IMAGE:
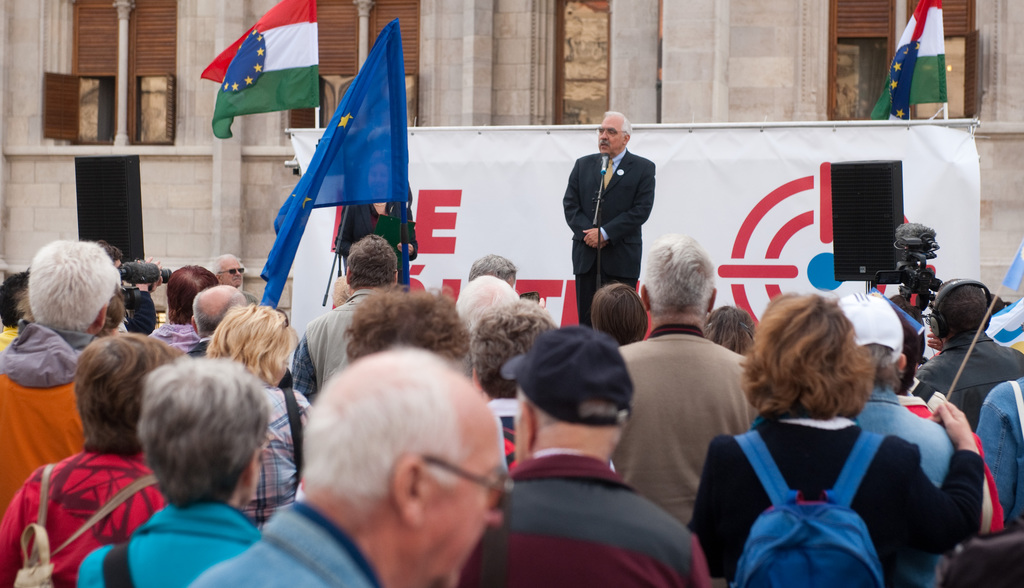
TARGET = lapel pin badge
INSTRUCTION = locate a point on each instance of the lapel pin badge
(619, 173)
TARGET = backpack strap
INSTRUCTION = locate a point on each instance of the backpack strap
(1020, 404)
(44, 494)
(856, 466)
(295, 424)
(764, 466)
(116, 571)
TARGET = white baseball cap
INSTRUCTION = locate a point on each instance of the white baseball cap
(874, 321)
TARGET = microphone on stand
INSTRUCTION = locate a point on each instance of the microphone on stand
(604, 164)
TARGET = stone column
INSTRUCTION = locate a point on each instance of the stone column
(633, 79)
(226, 192)
(478, 61)
(124, 8)
(364, 7)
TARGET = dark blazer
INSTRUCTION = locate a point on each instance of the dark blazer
(627, 204)
(357, 223)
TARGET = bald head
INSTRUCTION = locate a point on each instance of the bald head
(407, 488)
(211, 305)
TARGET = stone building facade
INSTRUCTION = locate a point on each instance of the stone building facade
(477, 62)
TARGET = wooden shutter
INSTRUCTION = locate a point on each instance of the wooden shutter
(408, 14)
(864, 18)
(60, 106)
(154, 37)
(972, 75)
(302, 118)
(153, 43)
(338, 35)
(95, 38)
(172, 107)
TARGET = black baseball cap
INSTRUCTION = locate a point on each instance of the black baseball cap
(567, 369)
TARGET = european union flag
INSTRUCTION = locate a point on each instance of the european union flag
(1016, 271)
(362, 158)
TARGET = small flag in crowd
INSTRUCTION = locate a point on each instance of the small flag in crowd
(273, 66)
(1006, 328)
(917, 74)
(363, 156)
(1015, 273)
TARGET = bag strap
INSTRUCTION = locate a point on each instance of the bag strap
(116, 572)
(114, 502)
(39, 556)
(1020, 404)
(764, 466)
(856, 466)
(44, 494)
(295, 424)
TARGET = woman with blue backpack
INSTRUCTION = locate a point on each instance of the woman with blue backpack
(808, 499)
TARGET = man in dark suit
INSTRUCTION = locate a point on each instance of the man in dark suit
(626, 203)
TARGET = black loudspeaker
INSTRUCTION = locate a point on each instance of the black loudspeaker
(110, 202)
(867, 206)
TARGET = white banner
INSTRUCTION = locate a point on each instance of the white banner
(752, 196)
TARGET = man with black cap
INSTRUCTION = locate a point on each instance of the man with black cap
(570, 519)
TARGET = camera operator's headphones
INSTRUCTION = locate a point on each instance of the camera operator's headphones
(936, 322)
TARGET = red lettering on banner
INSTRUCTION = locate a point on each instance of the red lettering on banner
(414, 270)
(546, 288)
(569, 315)
(429, 220)
(451, 288)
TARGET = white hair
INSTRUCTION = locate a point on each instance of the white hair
(627, 127)
(680, 276)
(380, 408)
(69, 284)
(218, 263)
(481, 294)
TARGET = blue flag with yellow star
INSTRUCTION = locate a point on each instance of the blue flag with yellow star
(362, 157)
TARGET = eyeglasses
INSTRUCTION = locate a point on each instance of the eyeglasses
(497, 487)
(610, 130)
(233, 271)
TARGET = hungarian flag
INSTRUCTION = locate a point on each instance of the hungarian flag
(272, 67)
(917, 73)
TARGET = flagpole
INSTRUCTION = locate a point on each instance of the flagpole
(405, 244)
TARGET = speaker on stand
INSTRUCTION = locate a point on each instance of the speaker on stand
(110, 202)
(867, 206)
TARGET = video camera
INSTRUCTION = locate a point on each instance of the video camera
(918, 244)
(139, 272)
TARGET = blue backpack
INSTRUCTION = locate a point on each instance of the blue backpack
(802, 543)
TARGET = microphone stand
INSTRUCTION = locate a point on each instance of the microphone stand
(597, 222)
(337, 261)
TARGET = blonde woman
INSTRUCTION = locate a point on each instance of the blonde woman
(261, 339)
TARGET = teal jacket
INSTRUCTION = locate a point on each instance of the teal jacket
(176, 545)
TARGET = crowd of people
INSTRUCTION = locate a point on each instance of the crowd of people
(408, 439)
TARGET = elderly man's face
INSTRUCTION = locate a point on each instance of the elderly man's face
(231, 273)
(611, 140)
(462, 511)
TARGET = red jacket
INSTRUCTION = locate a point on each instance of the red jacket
(79, 486)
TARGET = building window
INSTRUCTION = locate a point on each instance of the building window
(339, 52)
(581, 88)
(863, 37)
(81, 107)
